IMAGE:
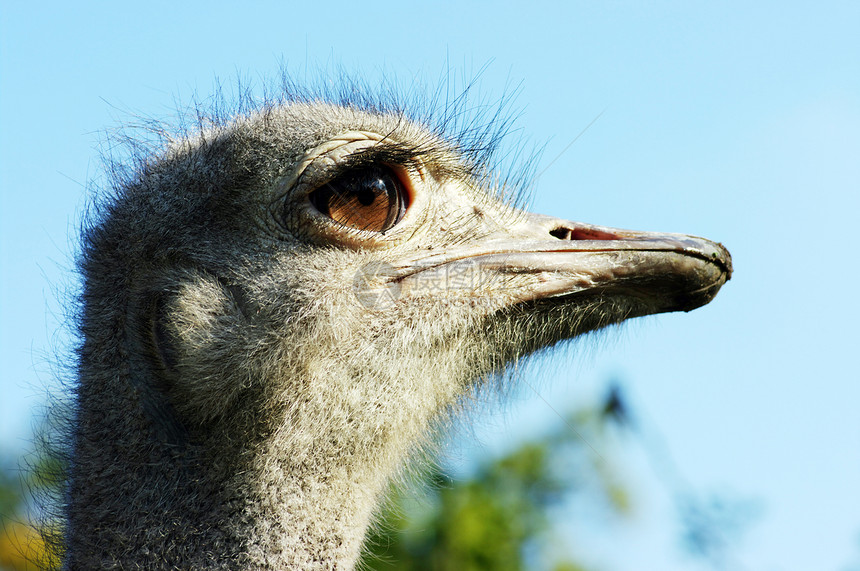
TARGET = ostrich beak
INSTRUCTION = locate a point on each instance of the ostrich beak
(542, 258)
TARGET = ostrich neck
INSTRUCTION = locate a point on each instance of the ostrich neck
(145, 495)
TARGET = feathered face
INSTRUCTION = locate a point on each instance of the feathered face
(327, 261)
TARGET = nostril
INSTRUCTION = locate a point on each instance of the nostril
(565, 233)
(561, 233)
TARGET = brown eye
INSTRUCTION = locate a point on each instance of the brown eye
(367, 198)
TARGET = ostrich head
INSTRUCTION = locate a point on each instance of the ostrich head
(277, 308)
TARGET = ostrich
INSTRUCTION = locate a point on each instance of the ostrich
(279, 308)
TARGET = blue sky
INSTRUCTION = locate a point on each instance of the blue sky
(736, 121)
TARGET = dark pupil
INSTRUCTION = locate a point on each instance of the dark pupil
(368, 192)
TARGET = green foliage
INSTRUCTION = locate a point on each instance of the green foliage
(29, 530)
(18, 538)
(11, 494)
(500, 517)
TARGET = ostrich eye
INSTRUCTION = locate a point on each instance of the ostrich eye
(367, 198)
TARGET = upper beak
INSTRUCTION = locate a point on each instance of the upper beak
(541, 257)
